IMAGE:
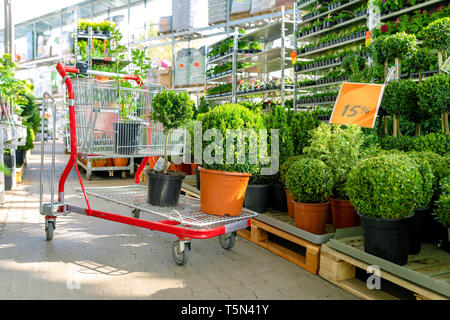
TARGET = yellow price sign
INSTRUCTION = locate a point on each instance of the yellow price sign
(357, 103)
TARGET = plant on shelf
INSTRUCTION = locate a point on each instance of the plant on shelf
(173, 110)
(310, 182)
(223, 183)
(385, 190)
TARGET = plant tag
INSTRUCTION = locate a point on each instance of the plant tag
(159, 165)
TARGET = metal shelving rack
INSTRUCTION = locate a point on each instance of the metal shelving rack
(314, 72)
(270, 59)
(88, 167)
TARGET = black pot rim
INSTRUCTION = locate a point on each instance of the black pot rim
(383, 219)
(161, 176)
(266, 185)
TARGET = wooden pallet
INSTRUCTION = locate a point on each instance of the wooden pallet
(260, 232)
(340, 269)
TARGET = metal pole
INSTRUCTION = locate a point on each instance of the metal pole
(234, 65)
(173, 62)
(294, 98)
(2, 175)
(283, 57)
(9, 29)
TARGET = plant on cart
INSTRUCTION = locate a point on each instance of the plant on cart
(310, 183)
(172, 110)
(385, 190)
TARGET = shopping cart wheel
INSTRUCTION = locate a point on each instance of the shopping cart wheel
(227, 240)
(179, 252)
(136, 213)
(124, 174)
(49, 230)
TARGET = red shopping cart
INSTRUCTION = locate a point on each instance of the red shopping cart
(110, 120)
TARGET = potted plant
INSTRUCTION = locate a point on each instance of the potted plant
(173, 110)
(422, 210)
(339, 148)
(442, 209)
(385, 190)
(223, 183)
(284, 168)
(310, 182)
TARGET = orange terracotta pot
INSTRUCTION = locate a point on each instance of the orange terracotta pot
(193, 167)
(120, 162)
(187, 168)
(109, 162)
(99, 163)
(176, 167)
(344, 214)
(222, 193)
(102, 78)
(290, 204)
(311, 217)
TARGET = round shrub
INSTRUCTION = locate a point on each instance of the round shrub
(385, 186)
(388, 47)
(400, 97)
(285, 166)
(434, 94)
(309, 181)
(233, 116)
(301, 123)
(428, 178)
(442, 210)
(437, 35)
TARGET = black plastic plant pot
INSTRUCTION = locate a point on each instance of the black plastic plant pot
(8, 182)
(257, 197)
(387, 238)
(164, 189)
(278, 197)
(197, 178)
(126, 137)
(416, 229)
(20, 157)
(8, 160)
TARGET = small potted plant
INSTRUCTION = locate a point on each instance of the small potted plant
(173, 111)
(385, 190)
(310, 182)
(442, 209)
(284, 168)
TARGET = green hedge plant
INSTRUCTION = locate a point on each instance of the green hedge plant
(173, 110)
(232, 116)
(309, 181)
(437, 35)
(339, 148)
(434, 94)
(386, 186)
(285, 166)
(301, 124)
(442, 210)
(428, 178)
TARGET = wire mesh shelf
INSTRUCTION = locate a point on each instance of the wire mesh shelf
(113, 120)
(187, 212)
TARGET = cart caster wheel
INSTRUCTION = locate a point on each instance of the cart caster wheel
(180, 257)
(227, 240)
(136, 213)
(49, 230)
(124, 175)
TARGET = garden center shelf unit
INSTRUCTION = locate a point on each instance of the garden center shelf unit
(327, 32)
(338, 26)
(243, 70)
(90, 162)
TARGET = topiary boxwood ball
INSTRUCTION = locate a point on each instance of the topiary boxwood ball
(309, 181)
(386, 186)
(428, 178)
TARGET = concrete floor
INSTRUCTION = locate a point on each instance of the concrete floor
(90, 258)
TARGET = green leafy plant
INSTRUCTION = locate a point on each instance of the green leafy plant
(173, 110)
(442, 210)
(309, 181)
(285, 166)
(434, 95)
(301, 123)
(428, 178)
(437, 35)
(234, 116)
(277, 119)
(339, 148)
(386, 186)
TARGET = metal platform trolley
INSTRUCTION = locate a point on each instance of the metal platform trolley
(115, 123)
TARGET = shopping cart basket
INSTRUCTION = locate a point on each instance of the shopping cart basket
(107, 119)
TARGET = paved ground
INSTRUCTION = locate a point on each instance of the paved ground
(91, 258)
